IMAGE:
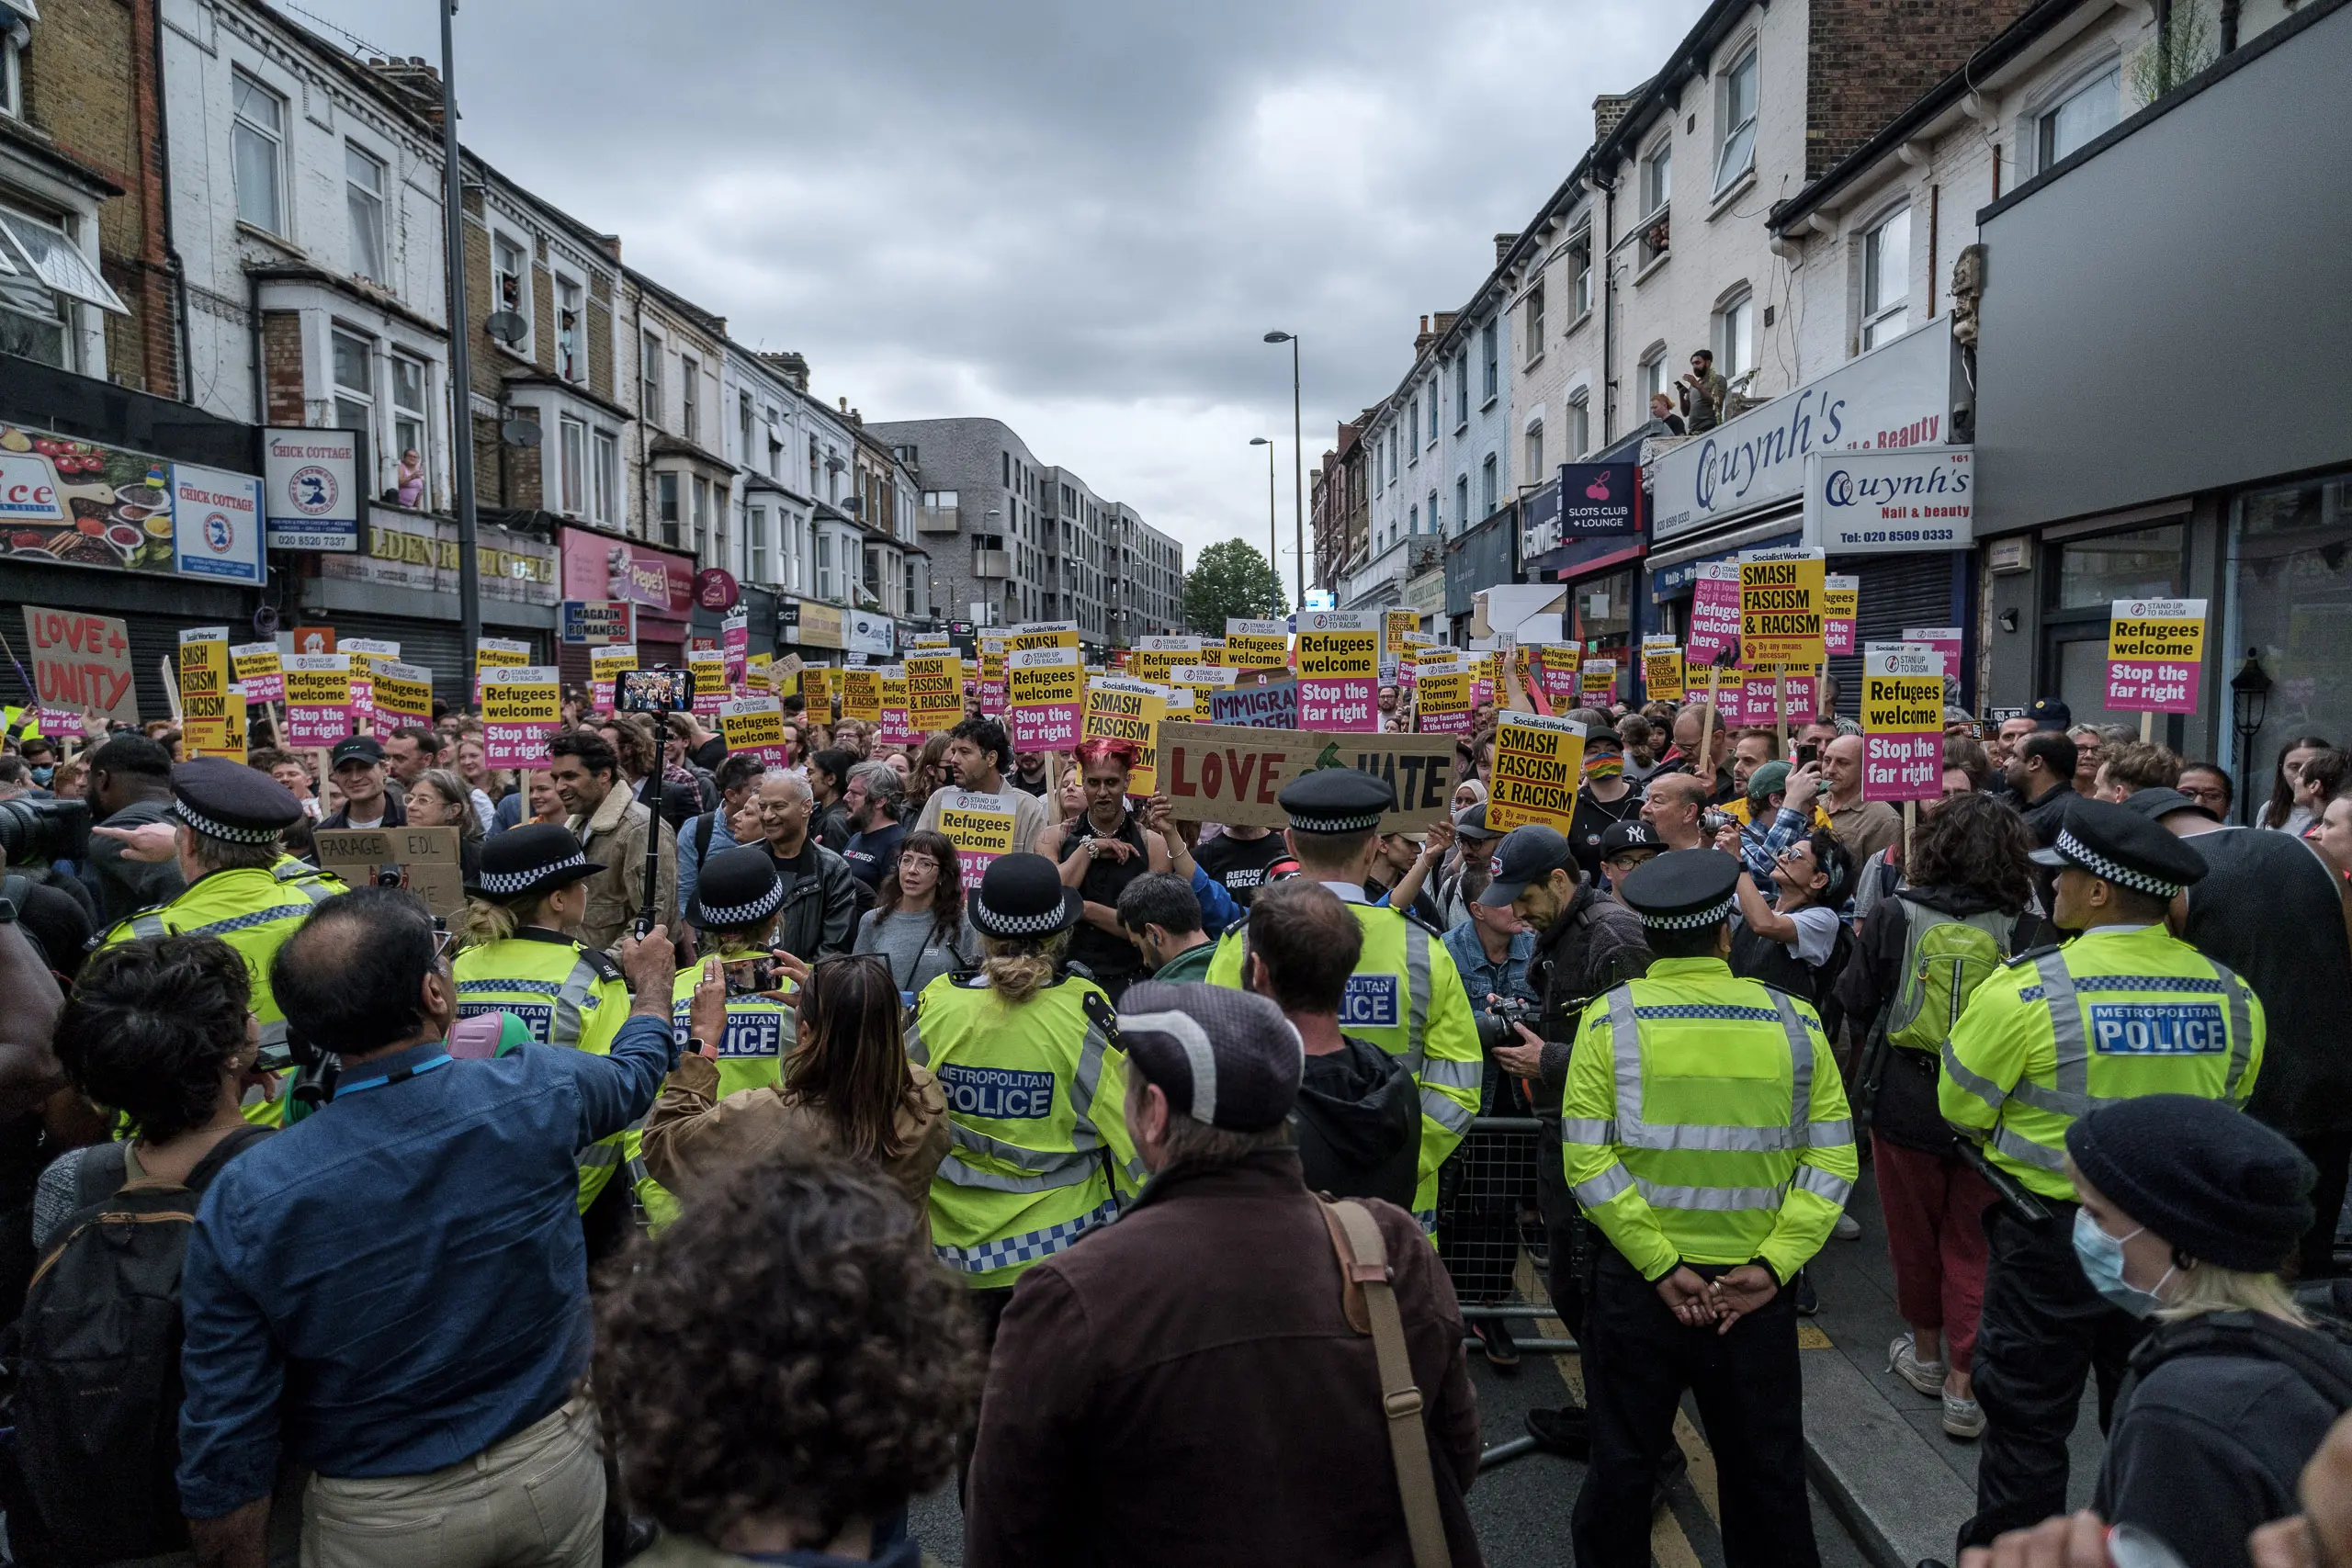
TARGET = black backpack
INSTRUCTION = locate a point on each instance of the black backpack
(2319, 1355)
(97, 1401)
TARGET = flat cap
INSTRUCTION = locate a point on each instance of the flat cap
(2118, 844)
(1683, 890)
(530, 861)
(1337, 800)
(1528, 854)
(232, 802)
(737, 888)
(1226, 1057)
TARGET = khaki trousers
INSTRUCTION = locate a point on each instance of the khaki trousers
(536, 1500)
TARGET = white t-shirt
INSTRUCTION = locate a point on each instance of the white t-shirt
(1816, 933)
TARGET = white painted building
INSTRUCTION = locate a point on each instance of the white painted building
(306, 207)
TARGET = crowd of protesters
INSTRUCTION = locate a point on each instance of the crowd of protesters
(717, 1216)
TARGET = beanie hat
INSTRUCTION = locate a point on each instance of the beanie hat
(1226, 1057)
(2213, 1181)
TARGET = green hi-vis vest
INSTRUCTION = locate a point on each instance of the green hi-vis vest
(760, 1029)
(1036, 1110)
(1405, 997)
(566, 995)
(2116, 1013)
(1704, 1121)
(254, 911)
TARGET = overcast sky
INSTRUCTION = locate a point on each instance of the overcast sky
(1080, 218)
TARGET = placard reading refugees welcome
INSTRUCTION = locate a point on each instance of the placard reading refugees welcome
(2156, 654)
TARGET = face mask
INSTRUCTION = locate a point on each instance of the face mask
(42, 775)
(2102, 1256)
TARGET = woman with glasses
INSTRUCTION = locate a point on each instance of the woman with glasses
(917, 925)
(845, 1089)
(516, 956)
(1792, 943)
(439, 797)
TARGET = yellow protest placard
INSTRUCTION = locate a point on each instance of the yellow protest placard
(403, 694)
(819, 684)
(257, 670)
(979, 826)
(1212, 652)
(232, 735)
(1399, 625)
(1662, 679)
(1154, 657)
(1441, 696)
(1121, 709)
(1041, 634)
(1257, 645)
(1539, 762)
(204, 681)
(1781, 607)
(862, 694)
(934, 691)
(753, 726)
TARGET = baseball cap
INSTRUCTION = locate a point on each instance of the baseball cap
(1527, 854)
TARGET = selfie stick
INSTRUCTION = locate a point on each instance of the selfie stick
(650, 793)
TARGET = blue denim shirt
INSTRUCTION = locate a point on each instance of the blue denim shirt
(399, 1280)
(1479, 977)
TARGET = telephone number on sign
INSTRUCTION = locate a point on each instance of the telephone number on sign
(1896, 535)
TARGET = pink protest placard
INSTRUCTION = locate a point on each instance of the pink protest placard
(259, 671)
(1903, 713)
(2155, 655)
(61, 724)
(1714, 611)
(1945, 640)
(1342, 706)
(1559, 668)
(735, 648)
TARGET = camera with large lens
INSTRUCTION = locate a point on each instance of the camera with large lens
(33, 831)
(1495, 1023)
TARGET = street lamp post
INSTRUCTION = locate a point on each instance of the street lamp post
(1274, 555)
(1298, 461)
(453, 232)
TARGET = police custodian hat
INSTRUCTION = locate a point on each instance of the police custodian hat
(232, 802)
(1337, 800)
(1683, 890)
(2118, 844)
(737, 888)
(530, 861)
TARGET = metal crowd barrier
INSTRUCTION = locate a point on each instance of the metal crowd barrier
(1490, 1229)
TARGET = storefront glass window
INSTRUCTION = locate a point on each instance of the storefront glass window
(1600, 611)
(2294, 606)
(2143, 563)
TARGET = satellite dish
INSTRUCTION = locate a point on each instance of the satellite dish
(523, 433)
(507, 326)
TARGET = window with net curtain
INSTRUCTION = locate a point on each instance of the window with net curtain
(1886, 279)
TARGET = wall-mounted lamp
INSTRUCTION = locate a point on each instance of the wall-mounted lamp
(2008, 620)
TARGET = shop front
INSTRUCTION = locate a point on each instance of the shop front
(659, 584)
(118, 504)
(1483, 557)
(816, 631)
(2209, 460)
(1742, 487)
(1592, 541)
(402, 587)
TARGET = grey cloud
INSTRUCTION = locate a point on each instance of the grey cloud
(1078, 217)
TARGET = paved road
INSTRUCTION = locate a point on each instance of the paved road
(1521, 1505)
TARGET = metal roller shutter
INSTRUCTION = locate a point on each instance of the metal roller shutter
(439, 645)
(1897, 592)
(154, 638)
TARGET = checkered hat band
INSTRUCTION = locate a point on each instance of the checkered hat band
(1335, 824)
(1721, 911)
(995, 924)
(2099, 865)
(519, 881)
(222, 830)
(759, 908)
